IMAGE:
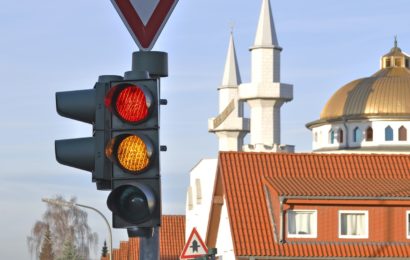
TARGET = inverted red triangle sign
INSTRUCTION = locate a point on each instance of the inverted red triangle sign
(144, 19)
(194, 246)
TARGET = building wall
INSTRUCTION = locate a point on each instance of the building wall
(199, 195)
(386, 223)
(224, 242)
(321, 135)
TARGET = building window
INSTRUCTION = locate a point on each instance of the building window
(407, 63)
(340, 136)
(315, 137)
(402, 133)
(397, 62)
(369, 134)
(332, 136)
(388, 133)
(353, 224)
(357, 135)
(302, 223)
(408, 224)
(388, 63)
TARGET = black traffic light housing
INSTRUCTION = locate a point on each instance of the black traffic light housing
(87, 153)
(113, 153)
(135, 200)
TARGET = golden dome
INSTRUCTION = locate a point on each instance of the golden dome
(386, 93)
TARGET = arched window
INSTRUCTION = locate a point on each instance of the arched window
(316, 137)
(402, 133)
(369, 134)
(340, 136)
(388, 133)
(332, 136)
(357, 135)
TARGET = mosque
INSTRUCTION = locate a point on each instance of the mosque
(263, 201)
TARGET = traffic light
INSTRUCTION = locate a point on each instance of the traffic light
(123, 152)
(133, 149)
(87, 153)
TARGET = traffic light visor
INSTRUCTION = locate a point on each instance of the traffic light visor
(132, 152)
(131, 103)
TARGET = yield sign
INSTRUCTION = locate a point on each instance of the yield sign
(144, 19)
(194, 247)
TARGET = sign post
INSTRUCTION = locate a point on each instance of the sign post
(145, 20)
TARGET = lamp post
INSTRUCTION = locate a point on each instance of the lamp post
(72, 204)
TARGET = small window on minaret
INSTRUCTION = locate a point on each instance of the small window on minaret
(397, 62)
(388, 63)
(407, 63)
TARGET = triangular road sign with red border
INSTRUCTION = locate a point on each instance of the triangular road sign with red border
(194, 247)
(144, 19)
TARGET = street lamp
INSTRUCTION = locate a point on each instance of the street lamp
(72, 204)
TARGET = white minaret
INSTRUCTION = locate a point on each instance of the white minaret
(265, 94)
(229, 125)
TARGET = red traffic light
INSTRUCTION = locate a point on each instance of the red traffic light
(131, 103)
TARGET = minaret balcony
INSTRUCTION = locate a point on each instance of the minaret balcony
(266, 90)
(230, 124)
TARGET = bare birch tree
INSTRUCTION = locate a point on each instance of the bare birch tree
(65, 223)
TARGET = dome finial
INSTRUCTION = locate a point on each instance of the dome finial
(395, 41)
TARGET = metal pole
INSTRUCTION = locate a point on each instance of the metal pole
(70, 204)
(149, 246)
(106, 222)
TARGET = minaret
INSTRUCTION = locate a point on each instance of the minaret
(265, 94)
(229, 125)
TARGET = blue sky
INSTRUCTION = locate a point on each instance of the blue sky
(51, 46)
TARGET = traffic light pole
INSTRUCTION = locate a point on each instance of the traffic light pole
(147, 64)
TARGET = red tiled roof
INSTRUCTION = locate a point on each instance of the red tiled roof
(343, 187)
(356, 249)
(243, 176)
(172, 237)
(172, 241)
(123, 250)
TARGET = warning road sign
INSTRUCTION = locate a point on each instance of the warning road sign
(194, 247)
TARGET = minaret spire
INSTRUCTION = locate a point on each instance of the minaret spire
(395, 41)
(266, 34)
(231, 77)
(229, 125)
